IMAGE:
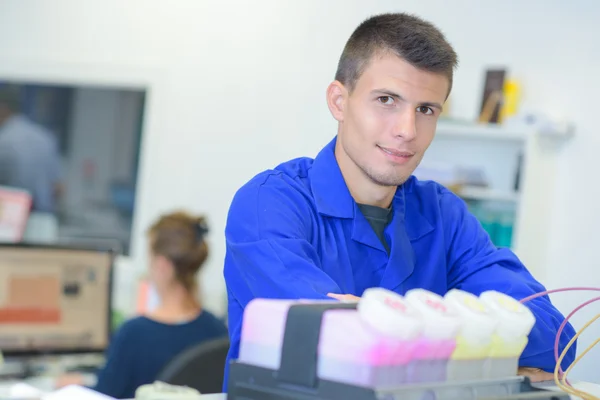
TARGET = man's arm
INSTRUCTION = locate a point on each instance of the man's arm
(476, 265)
(269, 253)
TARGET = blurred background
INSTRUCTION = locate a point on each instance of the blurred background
(156, 105)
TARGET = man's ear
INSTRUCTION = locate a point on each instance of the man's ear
(337, 96)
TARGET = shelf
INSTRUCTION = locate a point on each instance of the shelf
(479, 132)
(476, 193)
(462, 130)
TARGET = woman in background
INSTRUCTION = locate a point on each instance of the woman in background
(143, 346)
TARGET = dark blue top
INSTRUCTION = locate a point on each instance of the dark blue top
(296, 232)
(142, 347)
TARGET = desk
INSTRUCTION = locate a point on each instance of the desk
(591, 388)
(44, 384)
(219, 396)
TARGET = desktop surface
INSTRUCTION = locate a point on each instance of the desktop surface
(591, 388)
(54, 300)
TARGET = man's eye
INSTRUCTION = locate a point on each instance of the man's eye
(387, 100)
(425, 110)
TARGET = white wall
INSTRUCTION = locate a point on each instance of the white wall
(239, 86)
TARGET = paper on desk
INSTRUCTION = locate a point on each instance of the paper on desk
(75, 392)
(24, 391)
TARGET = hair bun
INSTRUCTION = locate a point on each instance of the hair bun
(201, 229)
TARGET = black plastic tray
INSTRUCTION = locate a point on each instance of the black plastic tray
(297, 379)
(248, 382)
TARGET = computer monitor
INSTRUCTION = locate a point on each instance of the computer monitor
(54, 300)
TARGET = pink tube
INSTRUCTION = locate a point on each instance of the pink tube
(540, 294)
(566, 320)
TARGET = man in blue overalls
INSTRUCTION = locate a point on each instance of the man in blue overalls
(355, 217)
(29, 155)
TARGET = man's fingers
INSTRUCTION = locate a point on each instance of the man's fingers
(344, 297)
(536, 374)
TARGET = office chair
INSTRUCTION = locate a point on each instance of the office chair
(200, 367)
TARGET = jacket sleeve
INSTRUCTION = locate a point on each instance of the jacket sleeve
(476, 265)
(268, 249)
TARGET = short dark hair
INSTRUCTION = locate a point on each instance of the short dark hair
(409, 37)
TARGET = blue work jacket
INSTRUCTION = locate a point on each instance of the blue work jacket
(296, 232)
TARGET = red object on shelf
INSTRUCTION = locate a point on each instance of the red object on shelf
(15, 206)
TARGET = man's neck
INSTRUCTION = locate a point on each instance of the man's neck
(372, 195)
(362, 189)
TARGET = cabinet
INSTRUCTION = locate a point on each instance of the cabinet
(517, 165)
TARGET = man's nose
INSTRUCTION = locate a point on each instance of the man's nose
(406, 124)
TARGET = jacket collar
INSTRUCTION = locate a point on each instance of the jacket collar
(332, 197)
(330, 192)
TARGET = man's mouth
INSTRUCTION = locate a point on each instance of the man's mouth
(397, 153)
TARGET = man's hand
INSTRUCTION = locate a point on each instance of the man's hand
(346, 298)
(535, 374)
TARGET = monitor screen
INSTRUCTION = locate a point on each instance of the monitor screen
(54, 300)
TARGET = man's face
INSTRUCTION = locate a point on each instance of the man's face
(389, 120)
